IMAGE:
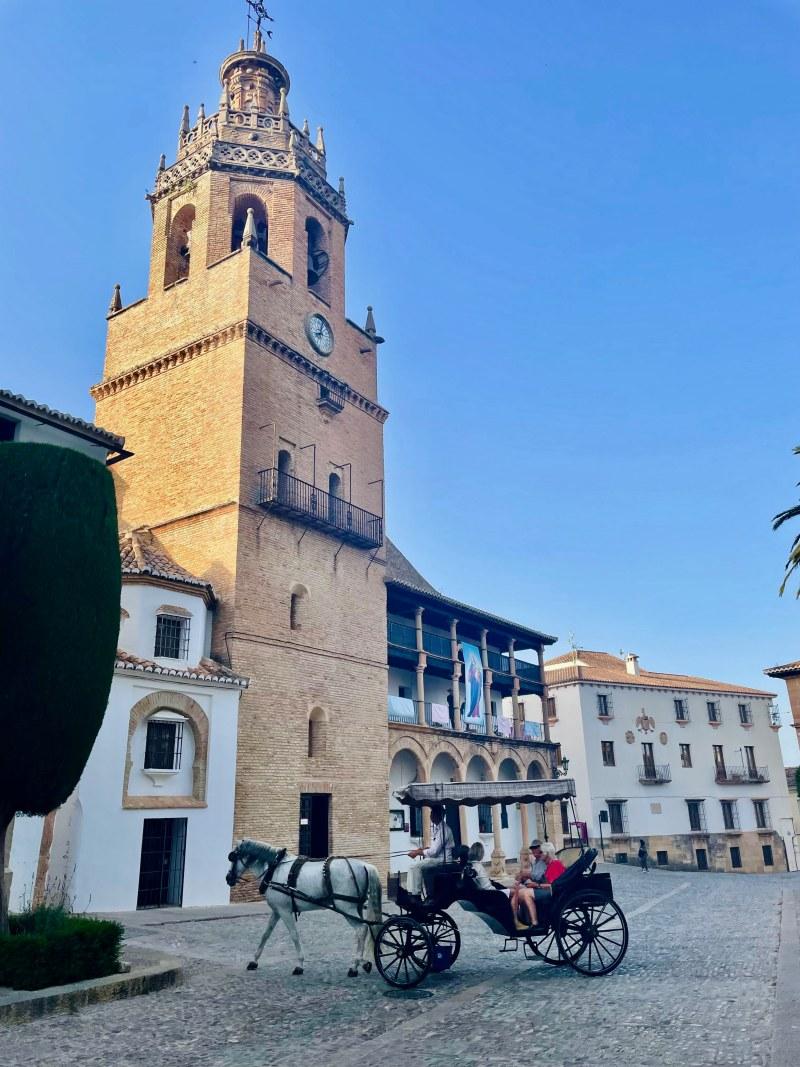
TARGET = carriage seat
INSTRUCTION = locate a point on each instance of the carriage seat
(575, 870)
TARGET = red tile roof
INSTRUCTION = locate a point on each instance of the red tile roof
(142, 556)
(585, 666)
(207, 670)
(784, 671)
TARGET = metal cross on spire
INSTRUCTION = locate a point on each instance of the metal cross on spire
(257, 12)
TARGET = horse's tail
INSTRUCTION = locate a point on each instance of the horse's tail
(374, 901)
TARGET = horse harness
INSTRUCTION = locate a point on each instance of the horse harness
(330, 898)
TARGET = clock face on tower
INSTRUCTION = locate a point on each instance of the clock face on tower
(320, 334)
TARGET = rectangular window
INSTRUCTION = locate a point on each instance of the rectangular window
(564, 817)
(686, 755)
(730, 814)
(702, 859)
(484, 818)
(750, 760)
(551, 707)
(621, 857)
(503, 817)
(745, 715)
(736, 857)
(713, 711)
(8, 429)
(662, 858)
(719, 763)
(681, 711)
(415, 822)
(404, 691)
(617, 816)
(603, 705)
(164, 745)
(172, 637)
(766, 852)
(649, 763)
(761, 810)
(697, 815)
(608, 753)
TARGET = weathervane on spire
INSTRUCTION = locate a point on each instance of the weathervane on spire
(257, 13)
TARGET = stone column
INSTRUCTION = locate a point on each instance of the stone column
(456, 674)
(422, 660)
(545, 716)
(487, 684)
(524, 852)
(518, 729)
(498, 868)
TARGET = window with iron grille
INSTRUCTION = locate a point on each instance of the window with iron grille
(697, 814)
(761, 810)
(172, 637)
(681, 710)
(551, 707)
(564, 817)
(736, 856)
(604, 706)
(415, 822)
(730, 814)
(686, 755)
(618, 816)
(608, 753)
(766, 852)
(745, 715)
(484, 818)
(164, 745)
(662, 858)
(712, 706)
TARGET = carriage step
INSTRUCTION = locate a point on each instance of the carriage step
(511, 945)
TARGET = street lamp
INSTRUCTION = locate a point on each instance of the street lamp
(564, 767)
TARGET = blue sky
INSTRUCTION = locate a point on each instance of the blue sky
(579, 225)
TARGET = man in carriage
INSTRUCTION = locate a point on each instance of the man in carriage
(439, 852)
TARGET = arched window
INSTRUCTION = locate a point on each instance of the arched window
(317, 733)
(297, 607)
(318, 259)
(179, 246)
(248, 200)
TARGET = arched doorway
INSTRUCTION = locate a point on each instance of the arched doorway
(405, 823)
(445, 769)
(479, 819)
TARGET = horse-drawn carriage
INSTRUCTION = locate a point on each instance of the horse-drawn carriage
(580, 923)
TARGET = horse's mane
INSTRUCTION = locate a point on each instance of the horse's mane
(256, 850)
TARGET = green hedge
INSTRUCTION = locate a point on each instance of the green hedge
(48, 947)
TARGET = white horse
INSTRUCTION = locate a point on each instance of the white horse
(352, 886)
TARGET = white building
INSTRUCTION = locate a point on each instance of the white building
(693, 766)
(151, 820)
(24, 421)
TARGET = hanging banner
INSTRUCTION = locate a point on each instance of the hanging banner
(474, 713)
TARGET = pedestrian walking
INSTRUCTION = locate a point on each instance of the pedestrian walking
(643, 857)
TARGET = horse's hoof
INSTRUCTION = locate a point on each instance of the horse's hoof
(366, 967)
(297, 970)
(252, 966)
(353, 972)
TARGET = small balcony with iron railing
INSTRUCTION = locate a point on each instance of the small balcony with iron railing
(741, 775)
(303, 502)
(654, 773)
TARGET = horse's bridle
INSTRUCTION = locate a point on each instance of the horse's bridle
(232, 858)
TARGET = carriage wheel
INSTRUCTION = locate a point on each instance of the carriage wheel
(546, 949)
(444, 932)
(592, 934)
(403, 952)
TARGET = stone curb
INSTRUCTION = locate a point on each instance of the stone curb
(26, 1006)
(786, 1030)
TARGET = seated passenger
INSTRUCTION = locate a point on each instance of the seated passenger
(438, 852)
(475, 866)
(541, 890)
(529, 873)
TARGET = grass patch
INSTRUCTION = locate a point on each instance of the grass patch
(49, 947)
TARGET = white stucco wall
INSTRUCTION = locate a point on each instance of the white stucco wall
(580, 733)
(138, 631)
(29, 429)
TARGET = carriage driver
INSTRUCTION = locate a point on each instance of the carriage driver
(440, 851)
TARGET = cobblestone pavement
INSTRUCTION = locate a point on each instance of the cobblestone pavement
(697, 987)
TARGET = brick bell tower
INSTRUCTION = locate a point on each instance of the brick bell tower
(249, 400)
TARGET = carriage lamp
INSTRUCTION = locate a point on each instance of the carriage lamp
(564, 765)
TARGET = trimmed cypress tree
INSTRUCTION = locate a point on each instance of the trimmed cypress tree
(59, 622)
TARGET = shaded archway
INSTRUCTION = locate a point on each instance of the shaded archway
(179, 246)
(239, 218)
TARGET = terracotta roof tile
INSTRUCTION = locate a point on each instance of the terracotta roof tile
(585, 666)
(141, 555)
(19, 403)
(784, 670)
(207, 670)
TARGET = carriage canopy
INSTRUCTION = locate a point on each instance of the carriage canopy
(534, 791)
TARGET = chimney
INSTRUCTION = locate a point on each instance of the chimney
(632, 663)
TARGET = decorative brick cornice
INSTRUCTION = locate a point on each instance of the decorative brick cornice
(237, 330)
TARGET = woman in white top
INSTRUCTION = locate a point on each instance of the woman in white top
(474, 858)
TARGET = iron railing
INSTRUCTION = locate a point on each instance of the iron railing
(697, 816)
(741, 775)
(654, 774)
(331, 396)
(289, 496)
